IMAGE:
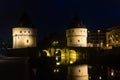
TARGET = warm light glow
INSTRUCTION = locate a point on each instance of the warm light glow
(56, 58)
(57, 63)
(98, 31)
(71, 62)
(72, 56)
(56, 70)
(47, 52)
(112, 73)
(100, 77)
(55, 43)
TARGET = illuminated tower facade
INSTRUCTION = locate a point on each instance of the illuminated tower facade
(24, 33)
(76, 34)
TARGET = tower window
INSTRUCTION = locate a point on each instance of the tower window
(79, 70)
(78, 40)
(20, 31)
(27, 41)
(28, 31)
(69, 31)
(24, 31)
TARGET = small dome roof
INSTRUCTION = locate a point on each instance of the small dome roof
(25, 22)
(76, 23)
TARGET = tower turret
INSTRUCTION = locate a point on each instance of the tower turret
(24, 33)
(76, 34)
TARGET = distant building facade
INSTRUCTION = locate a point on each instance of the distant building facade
(96, 38)
(113, 36)
(24, 33)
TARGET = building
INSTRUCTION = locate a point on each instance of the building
(24, 33)
(96, 38)
(76, 34)
(113, 36)
(76, 38)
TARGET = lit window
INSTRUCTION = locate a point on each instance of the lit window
(56, 70)
(98, 31)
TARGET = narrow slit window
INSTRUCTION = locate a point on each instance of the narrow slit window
(27, 41)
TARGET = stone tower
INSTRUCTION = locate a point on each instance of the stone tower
(24, 33)
(76, 34)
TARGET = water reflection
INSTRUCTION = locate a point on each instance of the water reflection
(93, 72)
(76, 71)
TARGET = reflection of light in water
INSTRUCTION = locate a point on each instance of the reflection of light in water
(100, 77)
(57, 58)
(56, 70)
(112, 73)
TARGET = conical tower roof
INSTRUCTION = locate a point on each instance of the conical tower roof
(76, 23)
(25, 22)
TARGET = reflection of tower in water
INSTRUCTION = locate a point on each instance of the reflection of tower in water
(78, 72)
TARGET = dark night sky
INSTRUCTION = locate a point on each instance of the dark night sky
(54, 15)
